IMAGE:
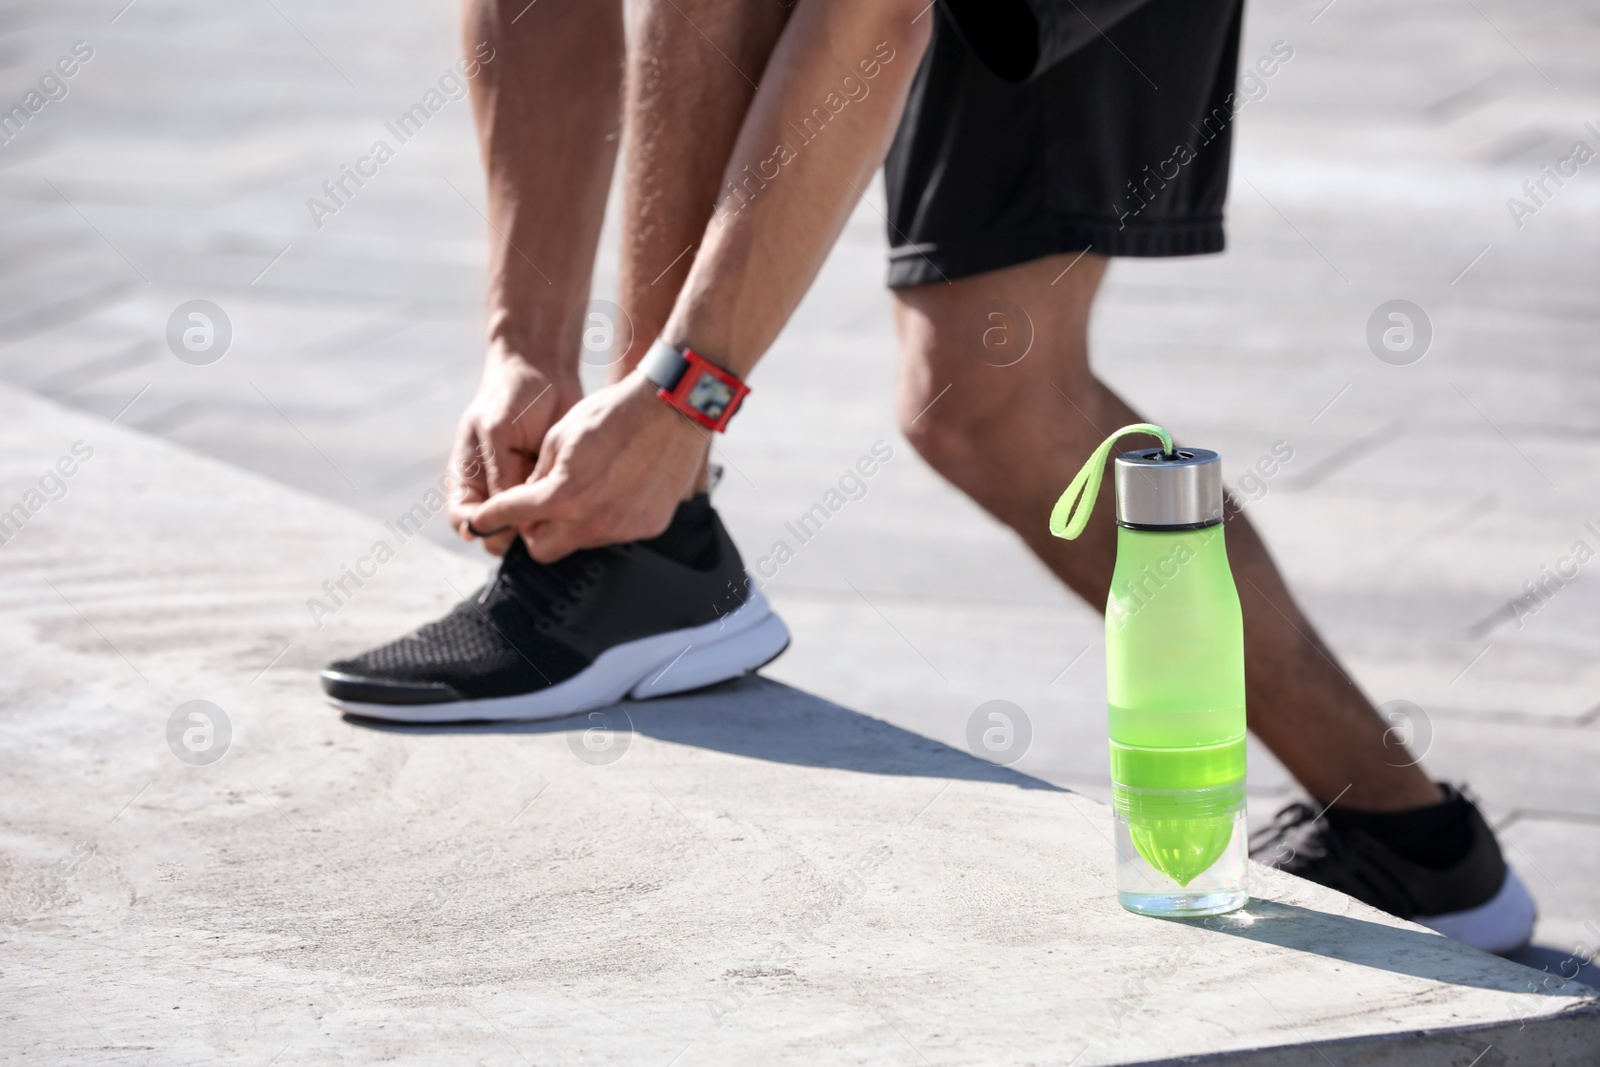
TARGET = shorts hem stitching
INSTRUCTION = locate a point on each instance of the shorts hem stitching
(911, 264)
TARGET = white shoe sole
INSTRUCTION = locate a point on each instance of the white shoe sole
(655, 666)
(1502, 925)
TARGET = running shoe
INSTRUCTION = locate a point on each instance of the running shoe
(538, 641)
(1476, 898)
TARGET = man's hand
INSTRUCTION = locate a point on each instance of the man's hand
(613, 469)
(500, 432)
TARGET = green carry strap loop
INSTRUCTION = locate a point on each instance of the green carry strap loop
(1071, 513)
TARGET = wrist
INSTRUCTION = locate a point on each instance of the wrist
(647, 395)
(505, 354)
(533, 333)
(701, 390)
(721, 355)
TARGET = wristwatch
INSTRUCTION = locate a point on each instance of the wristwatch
(694, 385)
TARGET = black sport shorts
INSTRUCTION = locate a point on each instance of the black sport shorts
(1040, 127)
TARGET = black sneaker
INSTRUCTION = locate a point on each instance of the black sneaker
(1476, 898)
(539, 641)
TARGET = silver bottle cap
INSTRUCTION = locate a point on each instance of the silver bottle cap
(1155, 491)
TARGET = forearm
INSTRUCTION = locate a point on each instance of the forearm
(548, 122)
(615, 466)
(693, 66)
(817, 128)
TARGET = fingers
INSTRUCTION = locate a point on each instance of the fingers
(465, 504)
(497, 545)
(571, 522)
(550, 541)
(520, 506)
(505, 466)
(539, 512)
(483, 469)
(461, 509)
(471, 488)
(462, 504)
(549, 449)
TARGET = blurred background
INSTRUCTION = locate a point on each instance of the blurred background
(1430, 481)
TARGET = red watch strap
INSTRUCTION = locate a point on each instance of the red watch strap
(705, 392)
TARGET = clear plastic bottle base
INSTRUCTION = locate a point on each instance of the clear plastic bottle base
(1199, 836)
(1182, 905)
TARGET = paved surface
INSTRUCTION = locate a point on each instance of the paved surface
(752, 874)
(1377, 166)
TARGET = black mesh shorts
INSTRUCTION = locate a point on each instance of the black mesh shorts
(1120, 148)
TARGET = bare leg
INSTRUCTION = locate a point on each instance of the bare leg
(1011, 437)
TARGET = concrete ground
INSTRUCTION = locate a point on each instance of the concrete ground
(1374, 165)
(747, 874)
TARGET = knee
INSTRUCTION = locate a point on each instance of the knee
(945, 446)
(943, 420)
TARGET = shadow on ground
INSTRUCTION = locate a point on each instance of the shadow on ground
(1367, 944)
(762, 719)
(1556, 963)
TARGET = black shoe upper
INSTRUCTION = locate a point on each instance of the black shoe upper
(535, 625)
(1351, 859)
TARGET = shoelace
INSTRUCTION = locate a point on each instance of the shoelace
(1299, 828)
(543, 589)
(1317, 851)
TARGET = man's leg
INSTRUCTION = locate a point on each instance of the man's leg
(1011, 437)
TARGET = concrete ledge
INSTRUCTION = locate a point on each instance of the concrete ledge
(758, 876)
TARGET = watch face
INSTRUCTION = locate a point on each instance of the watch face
(710, 396)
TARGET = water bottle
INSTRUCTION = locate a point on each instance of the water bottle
(1174, 679)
